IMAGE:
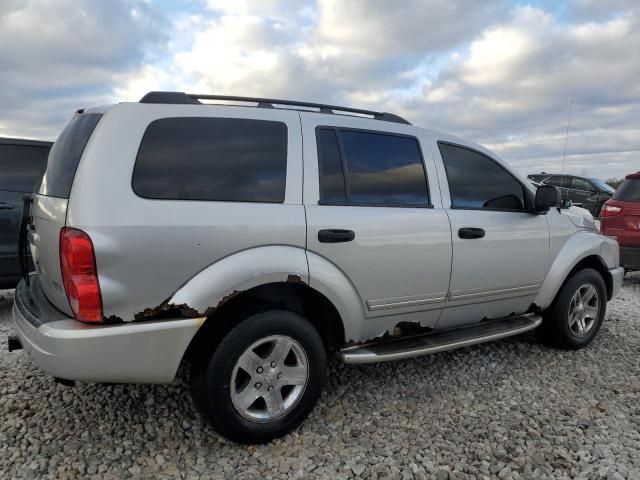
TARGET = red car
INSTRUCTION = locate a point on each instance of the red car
(620, 218)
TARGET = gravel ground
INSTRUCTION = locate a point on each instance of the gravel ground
(511, 409)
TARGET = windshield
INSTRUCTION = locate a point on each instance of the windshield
(603, 186)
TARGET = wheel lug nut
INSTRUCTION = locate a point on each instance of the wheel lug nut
(259, 369)
(258, 385)
(270, 388)
(273, 364)
(279, 375)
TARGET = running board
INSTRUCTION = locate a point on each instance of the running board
(415, 346)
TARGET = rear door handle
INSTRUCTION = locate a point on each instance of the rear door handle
(335, 235)
(6, 206)
(470, 233)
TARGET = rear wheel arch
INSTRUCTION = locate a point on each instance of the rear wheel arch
(293, 296)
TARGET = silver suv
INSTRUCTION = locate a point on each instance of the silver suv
(257, 240)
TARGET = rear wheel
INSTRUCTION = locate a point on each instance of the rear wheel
(576, 315)
(263, 379)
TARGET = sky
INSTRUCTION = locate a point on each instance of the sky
(498, 72)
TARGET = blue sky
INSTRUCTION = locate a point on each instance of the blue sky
(499, 72)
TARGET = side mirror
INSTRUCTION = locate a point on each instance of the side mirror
(547, 196)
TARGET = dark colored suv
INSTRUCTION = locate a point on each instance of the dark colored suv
(621, 219)
(22, 163)
(585, 192)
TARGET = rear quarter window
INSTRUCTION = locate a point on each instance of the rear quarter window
(65, 155)
(223, 159)
(21, 166)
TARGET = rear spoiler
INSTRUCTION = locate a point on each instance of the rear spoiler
(23, 256)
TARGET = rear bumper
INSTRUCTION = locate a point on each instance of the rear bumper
(630, 257)
(146, 352)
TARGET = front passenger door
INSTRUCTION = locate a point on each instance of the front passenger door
(500, 250)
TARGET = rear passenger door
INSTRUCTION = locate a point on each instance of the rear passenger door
(374, 212)
(500, 249)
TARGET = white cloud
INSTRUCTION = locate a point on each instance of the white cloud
(500, 75)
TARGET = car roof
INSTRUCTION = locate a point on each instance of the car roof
(25, 142)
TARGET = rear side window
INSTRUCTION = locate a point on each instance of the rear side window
(370, 168)
(65, 155)
(479, 182)
(21, 166)
(629, 191)
(224, 159)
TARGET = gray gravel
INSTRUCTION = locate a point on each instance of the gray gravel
(512, 409)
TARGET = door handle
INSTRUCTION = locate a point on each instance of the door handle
(6, 206)
(470, 233)
(335, 235)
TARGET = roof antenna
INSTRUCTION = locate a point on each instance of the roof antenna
(566, 139)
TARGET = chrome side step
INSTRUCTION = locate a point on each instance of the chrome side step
(415, 346)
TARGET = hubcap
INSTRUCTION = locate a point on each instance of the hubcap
(269, 378)
(584, 309)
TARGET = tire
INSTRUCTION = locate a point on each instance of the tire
(566, 324)
(276, 356)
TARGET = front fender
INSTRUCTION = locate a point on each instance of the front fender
(239, 272)
(579, 246)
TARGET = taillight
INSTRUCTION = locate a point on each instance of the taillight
(610, 210)
(79, 275)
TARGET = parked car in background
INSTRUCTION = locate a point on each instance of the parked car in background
(260, 240)
(22, 163)
(620, 218)
(587, 220)
(585, 192)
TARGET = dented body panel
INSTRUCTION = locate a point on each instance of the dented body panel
(239, 272)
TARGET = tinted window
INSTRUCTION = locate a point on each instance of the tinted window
(384, 169)
(559, 181)
(21, 166)
(332, 187)
(629, 191)
(226, 159)
(476, 181)
(581, 184)
(65, 155)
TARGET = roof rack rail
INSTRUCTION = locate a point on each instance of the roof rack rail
(189, 98)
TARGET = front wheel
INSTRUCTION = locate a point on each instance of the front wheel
(576, 315)
(263, 379)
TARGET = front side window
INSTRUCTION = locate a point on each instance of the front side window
(224, 159)
(478, 182)
(370, 168)
(21, 166)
